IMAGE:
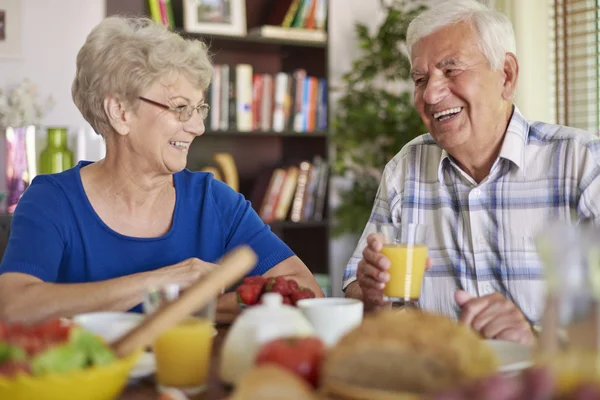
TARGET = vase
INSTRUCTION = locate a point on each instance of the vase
(56, 157)
(18, 175)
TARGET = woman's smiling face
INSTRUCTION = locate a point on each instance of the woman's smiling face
(157, 134)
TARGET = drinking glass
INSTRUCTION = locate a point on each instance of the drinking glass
(182, 352)
(405, 246)
(569, 340)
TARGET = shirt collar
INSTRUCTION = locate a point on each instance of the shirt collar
(513, 145)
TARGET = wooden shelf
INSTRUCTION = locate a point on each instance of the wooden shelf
(251, 39)
(317, 134)
(298, 225)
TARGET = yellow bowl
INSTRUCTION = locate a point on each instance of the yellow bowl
(96, 383)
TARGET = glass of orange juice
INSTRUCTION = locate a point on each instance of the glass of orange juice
(569, 341)
(404, 245)
(182, 352)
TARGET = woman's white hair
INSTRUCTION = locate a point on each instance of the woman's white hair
(495, 30)
(124, 56)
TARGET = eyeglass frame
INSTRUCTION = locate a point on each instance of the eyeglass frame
(181, 109)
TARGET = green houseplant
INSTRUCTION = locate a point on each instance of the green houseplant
(375, 116)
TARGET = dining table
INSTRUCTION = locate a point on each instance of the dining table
(146, 388)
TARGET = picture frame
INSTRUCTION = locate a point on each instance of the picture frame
(217, 17)
(10, 29)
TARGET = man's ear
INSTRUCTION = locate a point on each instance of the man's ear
(119, 115)
(511, 74)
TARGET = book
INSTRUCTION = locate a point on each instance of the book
(243, 89)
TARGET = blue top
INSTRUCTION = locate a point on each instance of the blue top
(57, 236)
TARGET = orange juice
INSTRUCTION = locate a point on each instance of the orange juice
(407, 267)
(572, 368)
(183, 354)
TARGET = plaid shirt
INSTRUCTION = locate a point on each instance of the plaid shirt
(481, 236)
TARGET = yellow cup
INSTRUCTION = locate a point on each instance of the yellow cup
(183, 352)
(404, 246)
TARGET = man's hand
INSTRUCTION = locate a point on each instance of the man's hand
(372, 272)
(494, 317)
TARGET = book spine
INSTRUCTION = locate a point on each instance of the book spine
(291, 13)
(266, 106)
(215, 101)
(281, 85)
(232, 99)
(257, 92)
(299, 78)
(243, 88)
(154, 9)
(164, 15)
(296, 213)
(224, 112)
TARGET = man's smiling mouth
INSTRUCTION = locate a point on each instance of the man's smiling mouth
(447, 114)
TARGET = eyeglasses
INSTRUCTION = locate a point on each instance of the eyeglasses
(185, 112)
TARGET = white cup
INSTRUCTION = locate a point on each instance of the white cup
(332, 317)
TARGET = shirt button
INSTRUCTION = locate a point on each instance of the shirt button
(477, 192)
(480, 239)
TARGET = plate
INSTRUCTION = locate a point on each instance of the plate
(145, 366)
(513, 356)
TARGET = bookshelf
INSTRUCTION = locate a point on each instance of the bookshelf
(257, 153)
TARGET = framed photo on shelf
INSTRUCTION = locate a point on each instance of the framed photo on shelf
(10, 29)
(220, 17)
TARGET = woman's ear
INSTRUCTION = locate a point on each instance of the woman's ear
(118, 114)
(511, 74)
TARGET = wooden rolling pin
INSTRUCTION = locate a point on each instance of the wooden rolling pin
(233, 266)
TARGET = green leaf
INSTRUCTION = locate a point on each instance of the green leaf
(9, 352)
(59, 359)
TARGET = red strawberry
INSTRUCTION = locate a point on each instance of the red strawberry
(293, 285)
(279, 285)
(287, 300)
(248, 293)
(304, 293)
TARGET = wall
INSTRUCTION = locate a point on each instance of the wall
(532, 35)
(52, 33)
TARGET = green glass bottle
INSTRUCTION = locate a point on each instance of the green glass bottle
(56, 157)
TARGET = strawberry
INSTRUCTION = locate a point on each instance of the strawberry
(248, 293)
(303, 293)
(287, 300)
(277, 285)
(293, 285)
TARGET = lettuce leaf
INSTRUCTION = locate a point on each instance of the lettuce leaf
(61, 358)
(10, 352)
(96, 351)
(84, 349)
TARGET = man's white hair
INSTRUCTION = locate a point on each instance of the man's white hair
(495, 30)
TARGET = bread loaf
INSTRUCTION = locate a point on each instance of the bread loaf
(403, 355)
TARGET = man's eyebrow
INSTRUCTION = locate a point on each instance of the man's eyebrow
(453, 62)
(415, 72)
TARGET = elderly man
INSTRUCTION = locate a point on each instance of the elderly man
(484, 179)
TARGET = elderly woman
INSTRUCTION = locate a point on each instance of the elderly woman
(98, 235)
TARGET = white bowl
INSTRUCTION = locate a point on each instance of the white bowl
(111, 325)
(332, 317)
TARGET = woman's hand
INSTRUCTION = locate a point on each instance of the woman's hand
(186, 272)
